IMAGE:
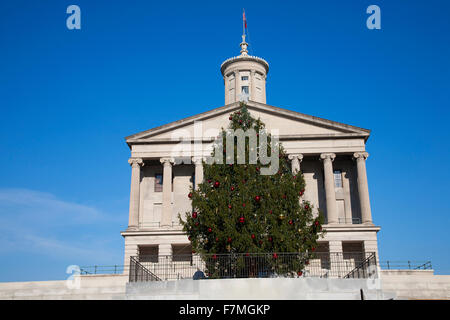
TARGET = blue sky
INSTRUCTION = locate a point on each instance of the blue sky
(69, 97)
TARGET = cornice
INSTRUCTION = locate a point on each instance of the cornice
(229, 61)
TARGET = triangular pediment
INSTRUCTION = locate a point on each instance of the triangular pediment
(290, 124)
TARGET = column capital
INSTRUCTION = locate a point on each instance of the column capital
(360, 155)
(197, 160)
(134, 162)
(166, 161)
(297, 156)
(330, 156)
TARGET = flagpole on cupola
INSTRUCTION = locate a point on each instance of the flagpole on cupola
(243, 22)
(244, 44)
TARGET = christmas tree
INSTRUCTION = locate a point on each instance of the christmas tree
(238, 210)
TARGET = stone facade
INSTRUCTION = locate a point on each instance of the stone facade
(332, 157)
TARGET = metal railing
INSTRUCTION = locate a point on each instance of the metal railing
(406, 265)
(139, 273)
(345, 220)
(349, 220)
(261, 265)
(157, 225)
(113, 269)
(366, 269)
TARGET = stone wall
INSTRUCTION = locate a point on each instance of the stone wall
(92, 287)
(416, 284)
(398, 284)
(255, 289)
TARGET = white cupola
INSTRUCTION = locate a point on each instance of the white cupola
(245, 77)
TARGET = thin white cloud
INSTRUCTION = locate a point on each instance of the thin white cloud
(31, 204)
(40, 223)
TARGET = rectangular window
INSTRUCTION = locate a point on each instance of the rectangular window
(158, 182)
(338, 178)
(148, 253)
(244, 78)
(245, 89)
(182, 252)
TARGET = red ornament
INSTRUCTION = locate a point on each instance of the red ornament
(243, 205)
(291, 222)
(300, 193)
(270, 239)
(240, 121)
(253, 236)
(306, 207)
(295, 177)
(196, 223)
(307, 262)
(313, 249)
(316, 223)
(241, 220)
(260, 242)
(257, 169)
(189, 238)
(257, 198)
(194, 214)
(209, 180)
(247, 254)
(193, 251)
(299, 273)
(270, 211)
(275, 256)
(209, 230)
(190, 195)
(230, 118)
(229, 206)
(216, 184)
(284, 196)
(238, 112)
(229, 239)
(217, 239)
(214, 257)
(232, 188)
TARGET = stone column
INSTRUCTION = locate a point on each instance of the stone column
(198, 161)
(264, 88)
(330, 194)
(363, 188)
(164, 258)
(252, 85)
(237, 90)
(336, 259)
(227, 94)
(166, 219)
(136, 163)
(296, 159)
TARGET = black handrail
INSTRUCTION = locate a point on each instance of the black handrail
(139, 273)
(363, 270)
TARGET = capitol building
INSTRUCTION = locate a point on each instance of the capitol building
(331, 155)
